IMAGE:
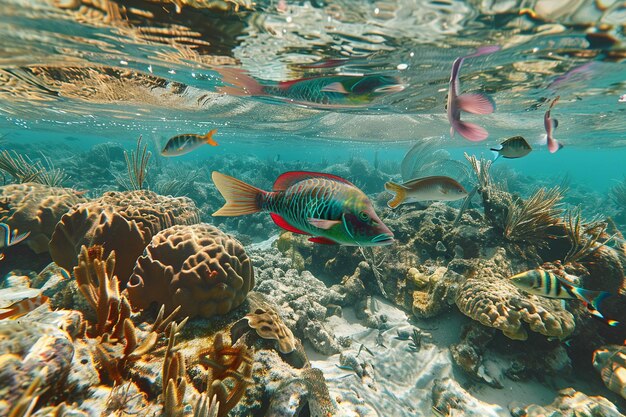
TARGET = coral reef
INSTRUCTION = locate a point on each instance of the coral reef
(449, 397)
(197, 267)
(267, 325)
(124, 222)
(570, 403)
(36, 208)
(610, 362)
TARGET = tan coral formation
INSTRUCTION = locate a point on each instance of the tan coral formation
(570, 403)
(610, 361)
(123, 222)
(197, 267)
(36, 208)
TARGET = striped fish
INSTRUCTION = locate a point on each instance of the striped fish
(327, 207)
(182, 144)
(10, 238)
(34, 298)
(515, 147)
(546, 284)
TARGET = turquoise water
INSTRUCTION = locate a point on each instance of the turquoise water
(356, 89)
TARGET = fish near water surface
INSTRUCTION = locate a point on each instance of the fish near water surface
(182, 144)
(550, 125)
(436, 188)
(471, 103)
(515, 147)
(547, 284)
(327, 207)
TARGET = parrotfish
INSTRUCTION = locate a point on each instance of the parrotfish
(10, 238)
(515, 147)
(329, 208)
(436, 188)
(335, 91)
(29, 299)
(551, 124)
(547, 284)
(472, 103)
(182, 144)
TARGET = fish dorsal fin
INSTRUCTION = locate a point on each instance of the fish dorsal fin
(287, 179)
(414, 182)
(555, 124)
(282, 223)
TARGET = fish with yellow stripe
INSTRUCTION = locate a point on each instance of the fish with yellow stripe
(182, 144)
(547, 284)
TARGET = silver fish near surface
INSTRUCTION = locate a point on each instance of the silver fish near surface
(515, 147)
(436, 188)
(547, 284)
(471, 103)
(182, 144)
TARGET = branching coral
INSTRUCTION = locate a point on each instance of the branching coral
(136, 167)
(23, 169)
(229, 371)
(618, 194)
(174, 378)
(529, 220)
(584, 236)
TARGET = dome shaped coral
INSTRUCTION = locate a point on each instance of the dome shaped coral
(36, 208)
(123, 222)
(198, 267)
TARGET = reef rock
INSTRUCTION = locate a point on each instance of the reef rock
(198, 267)
(123, 222)
(570, 403)
(610, 361)
(450, 399)
(36, 208)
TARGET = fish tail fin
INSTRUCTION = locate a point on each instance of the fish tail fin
(470, 131)
(496, 154)
(554, 145)
(241, 198)
(476, 103)
(400, 194)
(593, 298)
(209, 137)
(6, 313)
(241, 84)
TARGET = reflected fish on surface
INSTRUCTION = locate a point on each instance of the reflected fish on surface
(182, 144)
(472, 103)
(10, 238)
(515, 147)
(437, 188)
(547, 284)
(550, 125)
(327, 207)
(334, 91)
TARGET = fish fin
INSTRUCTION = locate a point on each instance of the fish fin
(19, 238)
(282, 223)
(335, 87)
(470, 131)
(6, 313)
(451, 132)
(591, 297)
(322, 223)
(555, 124)
(1, 256)
(595, 313)
(287, 179)
(322, 240)
(400, 194)
(242, 84)
(476, 103)
(496, 154)
(209, 138)
(554, 145)
(241, 198)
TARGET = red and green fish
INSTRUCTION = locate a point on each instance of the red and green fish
(329, 208)
(335, 91)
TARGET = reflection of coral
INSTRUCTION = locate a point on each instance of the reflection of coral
(36, 208)
(570, 403)
(493, 301)
(610, 361)
(120, 221)
(197, 267)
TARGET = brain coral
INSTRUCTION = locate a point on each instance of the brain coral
(123, 222)
(494, 302)
(198, 267)
(36, 208)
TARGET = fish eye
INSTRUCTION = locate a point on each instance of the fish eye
(363, 216)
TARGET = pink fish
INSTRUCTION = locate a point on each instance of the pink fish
(551, 124)
(472, 103)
